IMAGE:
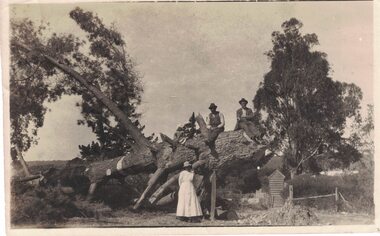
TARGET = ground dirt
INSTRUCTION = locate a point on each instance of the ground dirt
(247, 217)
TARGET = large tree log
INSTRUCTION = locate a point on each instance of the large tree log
(172, 181)
(235, 151)
(139, 138)
(129, 164)
(152, 181)
(231, 148)
(168, 160)
(160, 191)
(169, 198)
(29, 178)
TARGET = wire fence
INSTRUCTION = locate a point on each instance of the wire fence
(335, 195)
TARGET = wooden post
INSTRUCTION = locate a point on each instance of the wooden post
(91, 191)
(213, 195)
(292, 174)
(336, 199)
(291, 194)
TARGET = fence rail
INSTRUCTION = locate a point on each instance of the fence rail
(313, 197)
(335, 195)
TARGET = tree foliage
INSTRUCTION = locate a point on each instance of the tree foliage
(112, 71)
(100, 58)
(306, 109)
(32, 83)
(362, 138)
(362, 132)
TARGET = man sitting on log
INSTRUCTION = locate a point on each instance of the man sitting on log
(245, 119)
(215, 123)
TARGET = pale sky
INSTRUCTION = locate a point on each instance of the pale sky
(191, 54)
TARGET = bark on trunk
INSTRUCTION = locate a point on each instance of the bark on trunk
(168, 160)
(160, 191)
(152, 182)
(202, 125)
(20, 158)
(169, 198)
(29, 178)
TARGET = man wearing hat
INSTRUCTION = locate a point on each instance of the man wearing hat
(245, 121)
(215, 123)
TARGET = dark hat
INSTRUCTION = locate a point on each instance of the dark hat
(243, 100)
(212, 105)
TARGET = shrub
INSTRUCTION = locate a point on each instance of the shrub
(38, 206)
(41, 206)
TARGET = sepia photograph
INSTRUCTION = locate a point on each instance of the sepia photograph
(190, 114)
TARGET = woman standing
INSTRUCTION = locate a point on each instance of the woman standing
(188, 207)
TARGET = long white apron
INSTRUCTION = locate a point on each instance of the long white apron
(188, 204)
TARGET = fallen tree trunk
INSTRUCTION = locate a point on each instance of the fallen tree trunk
(233, 149)
(158, 194)
(129, 164)
(169, 198)
(172, 196)
(29, 178)
(169, 159)
(234, 152)
(152, 181)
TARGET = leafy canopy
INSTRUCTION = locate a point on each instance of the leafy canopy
(112, 71)
(100, 58)
(306, 109)
(33, 82)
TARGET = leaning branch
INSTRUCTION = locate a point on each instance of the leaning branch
(139, 138)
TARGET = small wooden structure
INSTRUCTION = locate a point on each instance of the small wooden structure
(276, 185)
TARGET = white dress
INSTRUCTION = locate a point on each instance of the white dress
(188, 204)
